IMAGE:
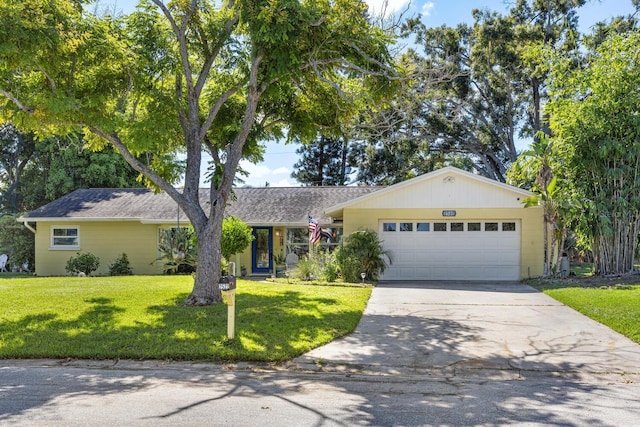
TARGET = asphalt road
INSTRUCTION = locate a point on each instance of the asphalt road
(423, 354)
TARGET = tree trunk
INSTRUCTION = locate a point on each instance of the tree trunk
(614, 252)
(205, 288)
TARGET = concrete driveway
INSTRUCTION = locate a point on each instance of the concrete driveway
(440, 327)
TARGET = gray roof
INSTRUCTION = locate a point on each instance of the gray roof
(255, 206)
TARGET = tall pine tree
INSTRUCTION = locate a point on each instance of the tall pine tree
(323, 162)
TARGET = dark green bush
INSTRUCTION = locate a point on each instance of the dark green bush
(121, 266)
(362, 252)
(85, 263)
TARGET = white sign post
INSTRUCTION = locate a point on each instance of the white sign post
(227, 286)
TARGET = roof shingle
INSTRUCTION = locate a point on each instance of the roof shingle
(255, 206)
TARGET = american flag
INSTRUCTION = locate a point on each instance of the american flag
(314, 230)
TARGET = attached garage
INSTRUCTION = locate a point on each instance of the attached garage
(451, 225)
(433, 249)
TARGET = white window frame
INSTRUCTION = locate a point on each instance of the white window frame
(62, 247)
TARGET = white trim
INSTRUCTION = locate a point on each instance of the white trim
(77, 219)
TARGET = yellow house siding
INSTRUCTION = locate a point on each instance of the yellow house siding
(106, 240)
(531, 260)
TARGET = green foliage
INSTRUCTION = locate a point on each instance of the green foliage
(138, 317)
(178, 249)
(362, 252)
(16, 241)
(194, 77)
(121, 266)
(85, 263)
(323, 162)
(594, 114)
(329, 269)
(279, 258)
(472, 91)
(318, 265)
(305, 269)
(236, 237)
(35, 171)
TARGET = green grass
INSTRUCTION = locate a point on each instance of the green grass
(616, 306)
(582, 269)
(140, 317)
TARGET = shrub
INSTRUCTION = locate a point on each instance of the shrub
(362, 252)
(305, 269)
(85, 263)
(326, 266)
(331, 272)
(121, 266)
(179, 250)
(318, 265)
(236, 237)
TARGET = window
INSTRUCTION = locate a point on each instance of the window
(457, 226)
(508, 226)
(490, 226)
(406, 226)
(439, 226)
(330, 238)
(65, 237)
(297, 241)
(423, 226)
(473, 226)
(389, 226)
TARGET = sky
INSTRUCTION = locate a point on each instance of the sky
(279, 158)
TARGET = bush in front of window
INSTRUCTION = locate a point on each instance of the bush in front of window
(305, 269)
(318, 265)
(121, 266)
(85, 263)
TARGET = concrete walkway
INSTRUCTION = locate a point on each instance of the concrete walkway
(416, 327)
(424, 354)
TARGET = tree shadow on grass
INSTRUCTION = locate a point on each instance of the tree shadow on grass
(269, 328)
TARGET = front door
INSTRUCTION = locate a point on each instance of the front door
(262, 248)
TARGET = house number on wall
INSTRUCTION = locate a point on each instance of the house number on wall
(448, 213)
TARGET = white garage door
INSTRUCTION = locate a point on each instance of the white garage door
(452, 250)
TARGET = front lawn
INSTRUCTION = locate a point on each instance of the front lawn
(140, 317)
(609, 301)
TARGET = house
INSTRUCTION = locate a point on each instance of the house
(444, 225)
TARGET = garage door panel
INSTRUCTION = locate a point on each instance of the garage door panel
(454, 255)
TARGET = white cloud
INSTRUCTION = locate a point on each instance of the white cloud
(281, 171)
(392, 6)
(427, 8)
(260, 174)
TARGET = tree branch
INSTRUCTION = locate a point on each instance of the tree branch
(180, 35)
(141, 167)
(17, 102)
(213, 112)
(222, 39)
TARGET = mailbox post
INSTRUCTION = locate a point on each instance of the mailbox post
(227, 286)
